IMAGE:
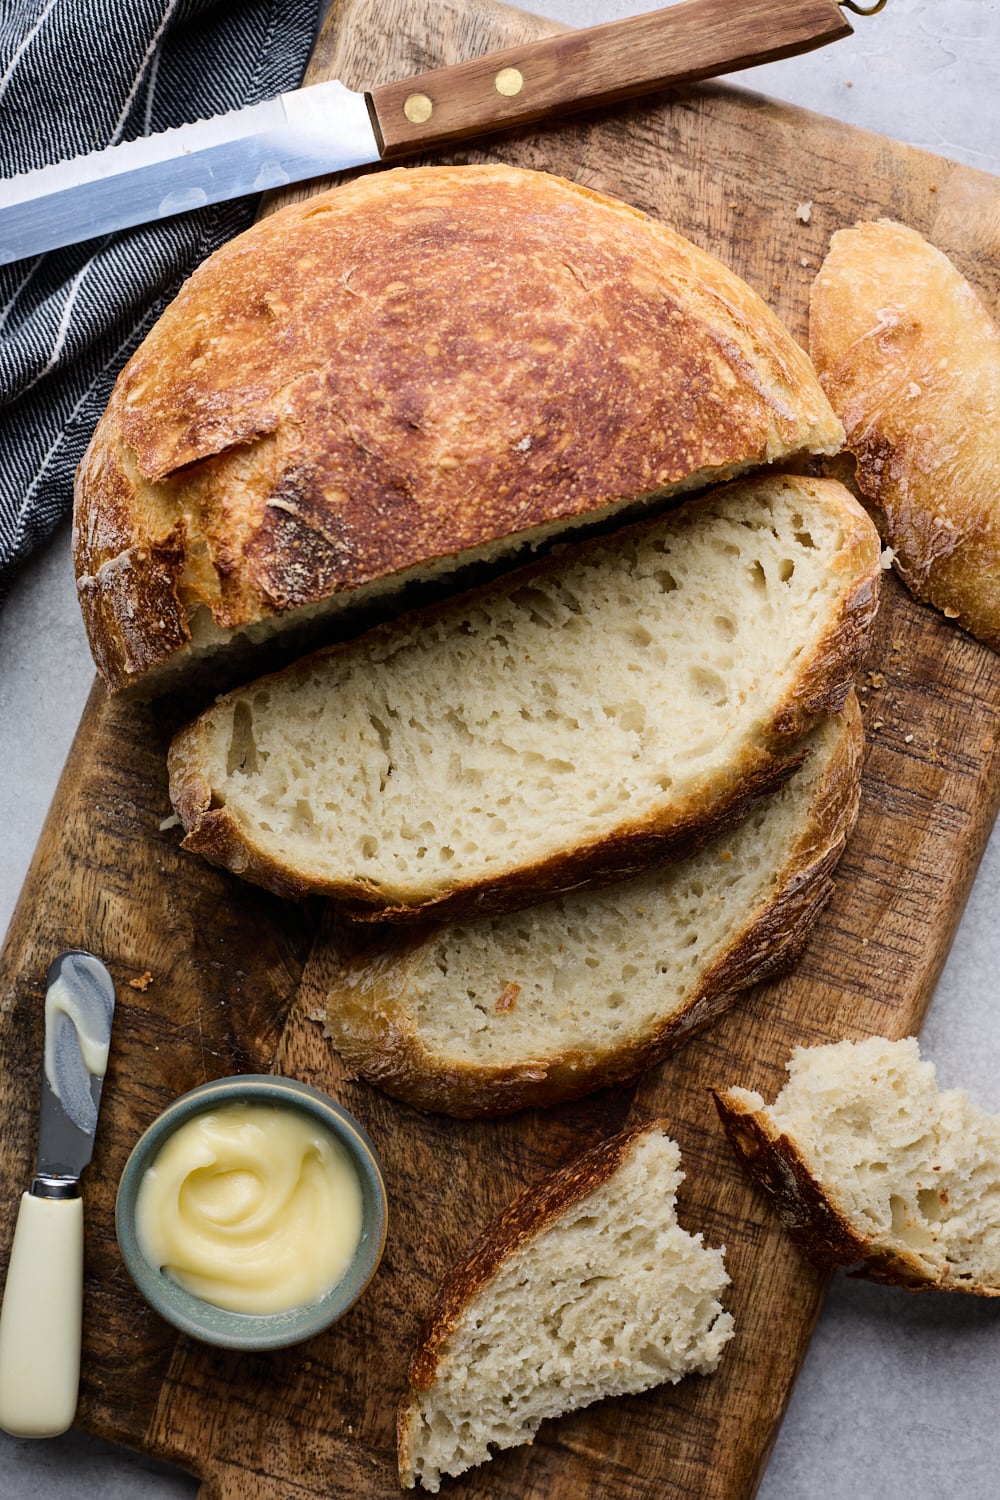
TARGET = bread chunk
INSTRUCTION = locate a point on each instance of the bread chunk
(539, 1006)
(419, 369)
(585, 1287)
(870, 1165)
(572, 723)
(910, 358)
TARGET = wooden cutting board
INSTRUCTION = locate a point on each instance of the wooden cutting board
(233, 974)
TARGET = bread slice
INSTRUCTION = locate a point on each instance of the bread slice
(418, 369)
(539, 1006)
(571, 723)
(585, 1287)
(869, 1165)
(910, 358)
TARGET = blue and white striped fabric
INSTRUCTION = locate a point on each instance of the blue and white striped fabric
(76, 75)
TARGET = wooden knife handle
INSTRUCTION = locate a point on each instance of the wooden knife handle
(601, 65)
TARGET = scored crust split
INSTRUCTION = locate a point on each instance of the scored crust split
(910, 358)
(584, 1287)
(415, 370)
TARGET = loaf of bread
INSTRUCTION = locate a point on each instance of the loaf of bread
(869, 1165)
(910, 358)
(575, 721)
(420, 368)
(585, 1287)
(539, 1006)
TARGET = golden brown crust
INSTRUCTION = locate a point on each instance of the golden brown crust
(371, 1024)
(910, 359)
(809, 1212)
(408, 367)
(821, 687)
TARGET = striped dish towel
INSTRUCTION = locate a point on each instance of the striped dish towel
(76, 75)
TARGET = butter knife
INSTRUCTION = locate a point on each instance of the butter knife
(325, 127)
(40, 1321)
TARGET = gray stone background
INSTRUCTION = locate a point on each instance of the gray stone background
(898, 1397)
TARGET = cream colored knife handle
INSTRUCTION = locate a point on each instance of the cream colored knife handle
(41, 1318)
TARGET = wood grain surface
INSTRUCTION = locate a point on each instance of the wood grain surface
(227, 977)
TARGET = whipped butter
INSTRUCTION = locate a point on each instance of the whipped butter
(253, 1207)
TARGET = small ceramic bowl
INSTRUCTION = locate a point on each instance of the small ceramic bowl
(217, 1325)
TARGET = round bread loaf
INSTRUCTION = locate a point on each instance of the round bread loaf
(421, 368)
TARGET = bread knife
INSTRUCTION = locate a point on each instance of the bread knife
(41, 1317)
(324, 128)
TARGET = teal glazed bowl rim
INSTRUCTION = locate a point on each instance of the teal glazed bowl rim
(252, 1331)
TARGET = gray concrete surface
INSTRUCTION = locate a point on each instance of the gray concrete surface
(898, 1396)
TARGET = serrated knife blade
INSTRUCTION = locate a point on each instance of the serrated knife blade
(40, 1319)
(326, 128)
(306, 133)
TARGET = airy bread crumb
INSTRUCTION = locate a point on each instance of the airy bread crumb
(538, 1006)
(869, 1164)
(586, 1287)
(573, 721)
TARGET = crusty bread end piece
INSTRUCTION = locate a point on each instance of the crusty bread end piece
(535, 1007)
(585, 1287)
(417, 369)
(869, 1165)
(910, 358)
(571, 723)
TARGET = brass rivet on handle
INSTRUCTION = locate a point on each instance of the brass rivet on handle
(417, 108)
(509, 82)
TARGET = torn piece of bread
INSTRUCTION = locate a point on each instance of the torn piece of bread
(534, 1007)
(585, 1287)
(418, 369)
(910, 358)
(869, 1165)
(573, 722)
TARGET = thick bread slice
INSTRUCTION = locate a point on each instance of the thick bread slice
(910, 359)
(539, 1006)
(869, 1165)
(418, 369)
(585, 1287)
(571, 723)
